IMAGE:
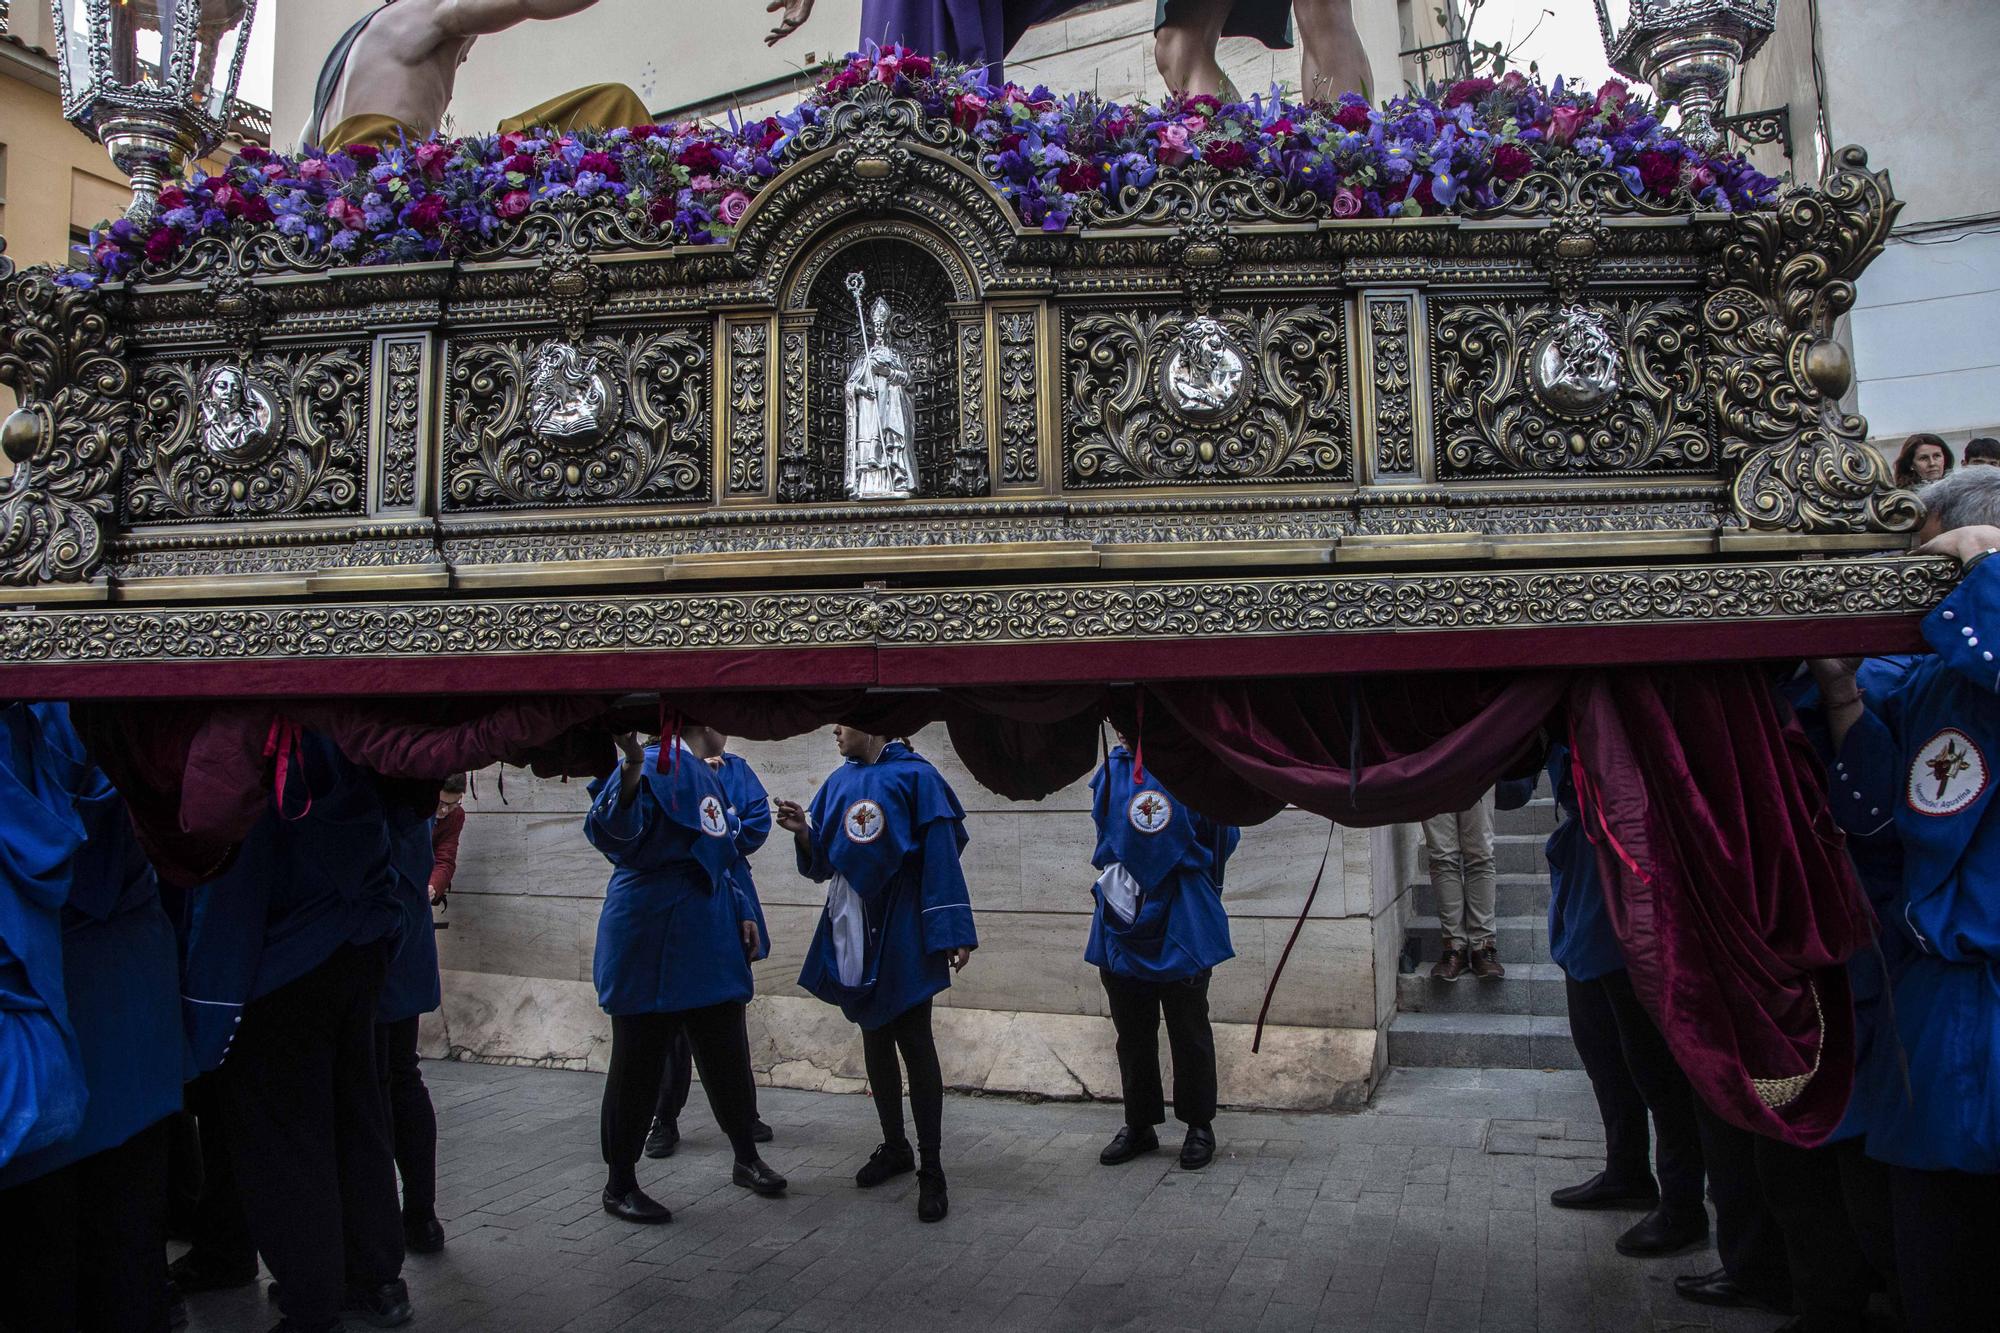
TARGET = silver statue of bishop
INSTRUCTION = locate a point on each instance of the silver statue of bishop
(880, 418)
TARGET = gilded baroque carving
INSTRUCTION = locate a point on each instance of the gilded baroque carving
(402, 420)
(748, 365)
(1494, 417)
(281, 434)
(65, 357)
(638, 403)
(1395, 412)
(1775, 373)
(798, 480)
(968, 476)
(1020, 451)
(1286, 420)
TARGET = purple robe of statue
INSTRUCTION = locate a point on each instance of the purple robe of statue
(977, 32)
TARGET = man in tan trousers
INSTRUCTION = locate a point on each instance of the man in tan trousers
(1461, 855)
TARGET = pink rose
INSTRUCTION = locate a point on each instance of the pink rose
(1563, 125)
(1346, 203)
(315, 169)
(512, 204)
(347, 213)
(732, 208)
(1176, 145)
(703, 183)
(1612, 95)
(966, 111)
(431, 157)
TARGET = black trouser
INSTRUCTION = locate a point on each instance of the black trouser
(910, 1033)
(412, 1120)
(308, 1135)
(1136, 1008)
(1667, 1093)
(1748, 1238)
(1947, 1238)
(1831, 1274)
(88, 1243)
(639, 1045)
(1864, 1190)
(1593, 1026)
(676, 1080)
(221, 1232)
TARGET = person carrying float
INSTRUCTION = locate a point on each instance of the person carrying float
(1157, 931)
(90, 1041)
(410, 991)
(884, 835)
(674, 944)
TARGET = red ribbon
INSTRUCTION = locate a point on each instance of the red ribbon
(1590, 799)
(1139, 740)
(283, 743)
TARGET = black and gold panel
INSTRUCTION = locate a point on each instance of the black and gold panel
(613, 418)
(1159, 396)
(1537, 388)
(282, 433)
(918, 329)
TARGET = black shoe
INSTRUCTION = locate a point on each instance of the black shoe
(292, 1326)
(760, 1132)
(386, 1306)
(886, 1163)
(663, 1138)
(1128, 1143)
(633, 1206)
(195, 1272)
(1720, 1289)
(1664, 1231)
(1198, 1148)
(177, 1309)
(932, 1201)
(423, 1235)
(757, 1176)
(1600, 1191)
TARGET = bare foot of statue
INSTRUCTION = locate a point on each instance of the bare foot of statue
(1335, 61)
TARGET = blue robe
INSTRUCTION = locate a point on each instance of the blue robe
(889, 834)
(308, 880)
(411, 986)
(121, 974)
(1581, 940)
(1178, 928)
(750, 805)
(670, 935)
(42, 1090)
(1919, 763)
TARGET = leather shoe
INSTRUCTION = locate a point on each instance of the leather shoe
(423, 1235)
(886, 1163)
(932, 1201)
(760, 1132)
(757, 1176)
(386, 1306)
(1128, 1143)
(1198, 1148)
(289, 1326)
(633, 1206)
(662, 1138)
(1720, 1289)
(1664, 1231)
(195, 1272)
(1600, 1191)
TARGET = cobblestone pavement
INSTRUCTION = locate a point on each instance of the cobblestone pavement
(1427, 1211)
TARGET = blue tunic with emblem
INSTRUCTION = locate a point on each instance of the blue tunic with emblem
(670, 935)
(1581, 940)
(312, 876)
(121, 972)
(1175, 926)
(750, 806)
(1920, 762)
(412, 986)
(886, 839)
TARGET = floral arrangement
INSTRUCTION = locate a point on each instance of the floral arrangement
(1457, 150)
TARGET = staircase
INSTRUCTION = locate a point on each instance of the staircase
(1518, 1023)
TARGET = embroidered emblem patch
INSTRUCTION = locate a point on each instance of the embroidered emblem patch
(1149, 811)
(714, 821)
(1947, 775)
(864, 821)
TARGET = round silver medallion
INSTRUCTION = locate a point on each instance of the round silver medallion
(240, 416)
(1575, 367)
(1205, 373)
(572, 399)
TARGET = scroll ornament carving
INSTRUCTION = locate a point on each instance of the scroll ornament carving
(968, 475)
(1019, 456)
(1147, 404)
(1781, 281)
(402, 414)
(1395, 420)
(64, 356)
(639, 413)
(798, 479)
(1505, 404)
(748, 361)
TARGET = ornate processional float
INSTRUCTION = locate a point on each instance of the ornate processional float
(934, 382)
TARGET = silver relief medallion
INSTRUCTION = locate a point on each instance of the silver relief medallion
(1575, 367)
(1205, 374)
(572, 399)
(240, 417)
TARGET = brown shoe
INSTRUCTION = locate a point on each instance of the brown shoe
(1486, 963)
(1450, 967)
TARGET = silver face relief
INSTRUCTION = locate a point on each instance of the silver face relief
(1575, 366)
(239, 416)
(572, 402)
(1204, 373)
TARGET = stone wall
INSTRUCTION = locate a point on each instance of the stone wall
(1027, 1016)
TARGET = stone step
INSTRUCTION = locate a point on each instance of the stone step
(1513, 895)
(1481, 1041)
(1538, 818)
(1521, 939)
(1528, 988)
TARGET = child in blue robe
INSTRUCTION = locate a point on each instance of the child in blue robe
(1917, 758)
(410, 991)
(674, 943)
(884, 835)
(1157, 930)
(750, 806)
(86, 1213)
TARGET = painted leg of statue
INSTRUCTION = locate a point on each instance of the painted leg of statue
(1335, 61)
(1184, 46)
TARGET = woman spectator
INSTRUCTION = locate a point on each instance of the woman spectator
(1923, 460)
